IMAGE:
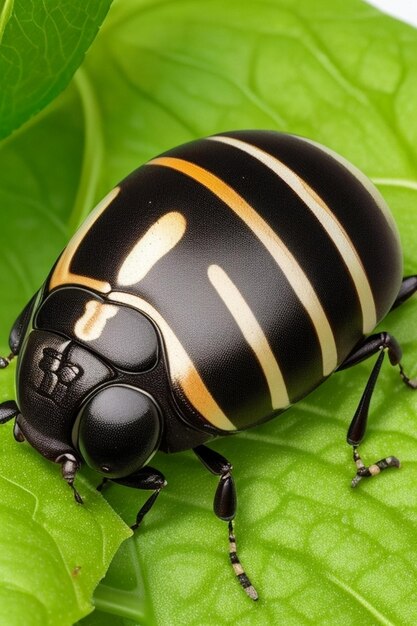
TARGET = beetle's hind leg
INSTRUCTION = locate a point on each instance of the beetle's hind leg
(407, 289)
(381, 343)
(225, 507)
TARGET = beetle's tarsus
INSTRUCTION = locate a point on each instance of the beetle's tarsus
(77, 496)
(237, 566)
(364, 471)
(410, 382)
(146, 507)
(225, 504)
(101, 485)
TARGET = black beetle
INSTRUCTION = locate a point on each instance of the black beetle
(214, 287)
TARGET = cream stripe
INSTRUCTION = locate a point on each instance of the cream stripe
(92, 323)
(275, 246)
(252, 333)
(182, 369)
(158, 240)
(327, 219)
(62, 274)
(364, 180)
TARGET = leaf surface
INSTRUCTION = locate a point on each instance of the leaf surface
(52, 551)
(41, 46)
(161, 73)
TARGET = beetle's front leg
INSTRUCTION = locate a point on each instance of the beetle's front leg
(8, 410)
(145, 478)
(18, 331)
(69, 468)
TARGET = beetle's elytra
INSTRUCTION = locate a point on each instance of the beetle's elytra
(215, 286)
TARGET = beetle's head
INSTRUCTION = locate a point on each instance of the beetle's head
(70, 409)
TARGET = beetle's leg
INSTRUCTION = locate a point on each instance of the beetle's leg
(69, 468)
(382, 343)
(17, 433)
(407, 289)
(145, 478)
(225, 507)
(18, 331)
(5, 360)
(103, 483)
(374, 344)
(8, 410)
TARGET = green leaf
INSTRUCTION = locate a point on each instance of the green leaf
(41, 46)
(52, 551)
(161, 73)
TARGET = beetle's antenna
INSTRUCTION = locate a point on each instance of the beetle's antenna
(237, 566)
(5, 360)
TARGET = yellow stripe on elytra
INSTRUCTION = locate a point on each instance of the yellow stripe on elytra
(158, 240)
(182, 370)
(327, 219)
(62, 274)
(275, 246)
(252, 332)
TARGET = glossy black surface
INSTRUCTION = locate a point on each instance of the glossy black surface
(54, 375)
(128, 341)
(119, 429)
(178, 287)
(137, 349)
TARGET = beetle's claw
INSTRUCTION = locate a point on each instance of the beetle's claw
(364, 471)
(77, 496)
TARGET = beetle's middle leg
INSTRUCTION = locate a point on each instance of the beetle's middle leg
(381, 343)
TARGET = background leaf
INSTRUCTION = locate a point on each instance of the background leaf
(42, 44)
(52, 552)
(45, 534)
(161, 73)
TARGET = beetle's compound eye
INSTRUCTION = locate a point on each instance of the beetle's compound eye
(118, 430)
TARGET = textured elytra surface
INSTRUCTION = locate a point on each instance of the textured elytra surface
(162, 73)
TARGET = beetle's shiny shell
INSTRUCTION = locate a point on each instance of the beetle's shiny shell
(262, 258)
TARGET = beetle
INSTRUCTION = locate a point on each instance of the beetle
(215, 286)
